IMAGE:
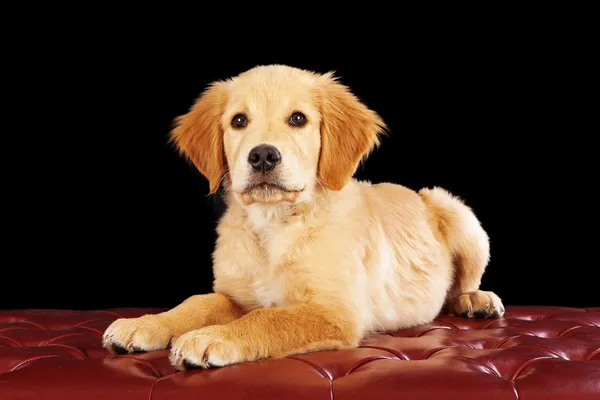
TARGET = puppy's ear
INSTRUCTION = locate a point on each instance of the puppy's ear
(198, 134)
(349, 131)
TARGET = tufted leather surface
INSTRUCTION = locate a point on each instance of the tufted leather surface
(532, 353)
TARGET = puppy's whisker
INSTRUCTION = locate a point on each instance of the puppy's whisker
(225, 173)
(322, 187)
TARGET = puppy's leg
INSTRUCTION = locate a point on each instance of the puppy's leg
(465, 299)
(469, 244)
(266, 333)
(155, 331)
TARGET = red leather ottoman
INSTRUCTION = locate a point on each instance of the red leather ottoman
(533, 353)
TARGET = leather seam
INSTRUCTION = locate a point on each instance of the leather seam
(152, 388)
(514, 385)
(528, 363)
(79, 351)
(66, 335)
(437, 350)
(365, 361)
(482, 364)
(12, 341)
(88, 321)
(506, 339)
(30, 360)
(437, 328)
(393, 352)
(34, 324)
(320, 370)
(594, 353)
(90, 329)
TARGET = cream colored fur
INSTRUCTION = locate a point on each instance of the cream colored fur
(323, 260)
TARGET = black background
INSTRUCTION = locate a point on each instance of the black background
(99, 211)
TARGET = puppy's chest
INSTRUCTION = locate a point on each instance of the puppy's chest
(278, 248)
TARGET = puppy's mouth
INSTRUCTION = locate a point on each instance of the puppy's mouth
(267, 183)
(268, 186)
(268, 190)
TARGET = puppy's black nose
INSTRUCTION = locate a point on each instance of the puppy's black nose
(264, 157)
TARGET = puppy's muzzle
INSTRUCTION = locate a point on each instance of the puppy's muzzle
(264, 157)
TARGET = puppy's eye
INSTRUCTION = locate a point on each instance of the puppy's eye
(239, 121)
(297, 119)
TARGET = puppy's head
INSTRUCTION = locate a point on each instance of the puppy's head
(275, 133)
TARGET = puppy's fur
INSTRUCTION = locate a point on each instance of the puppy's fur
(308, 258)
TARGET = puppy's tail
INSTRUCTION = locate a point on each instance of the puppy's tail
(463, 234)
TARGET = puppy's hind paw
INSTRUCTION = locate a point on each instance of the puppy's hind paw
(477, 304)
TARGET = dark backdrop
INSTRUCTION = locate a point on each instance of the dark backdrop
(100, 211)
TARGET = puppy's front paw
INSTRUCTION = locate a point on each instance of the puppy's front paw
(208, 347)
(478, 304)
(130, 335)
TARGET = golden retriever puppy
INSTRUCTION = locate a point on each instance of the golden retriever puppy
(308, 258)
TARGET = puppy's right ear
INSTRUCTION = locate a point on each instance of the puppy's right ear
(198, 134)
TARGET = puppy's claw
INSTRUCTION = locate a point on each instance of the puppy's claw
(190, 365)
(118, 349)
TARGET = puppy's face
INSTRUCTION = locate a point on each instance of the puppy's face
(271, 136)
(276, 133)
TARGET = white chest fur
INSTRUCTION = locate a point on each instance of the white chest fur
(268, 292)
(277, 237)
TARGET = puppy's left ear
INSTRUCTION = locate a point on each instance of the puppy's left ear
(198, 134)
(349, 131)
